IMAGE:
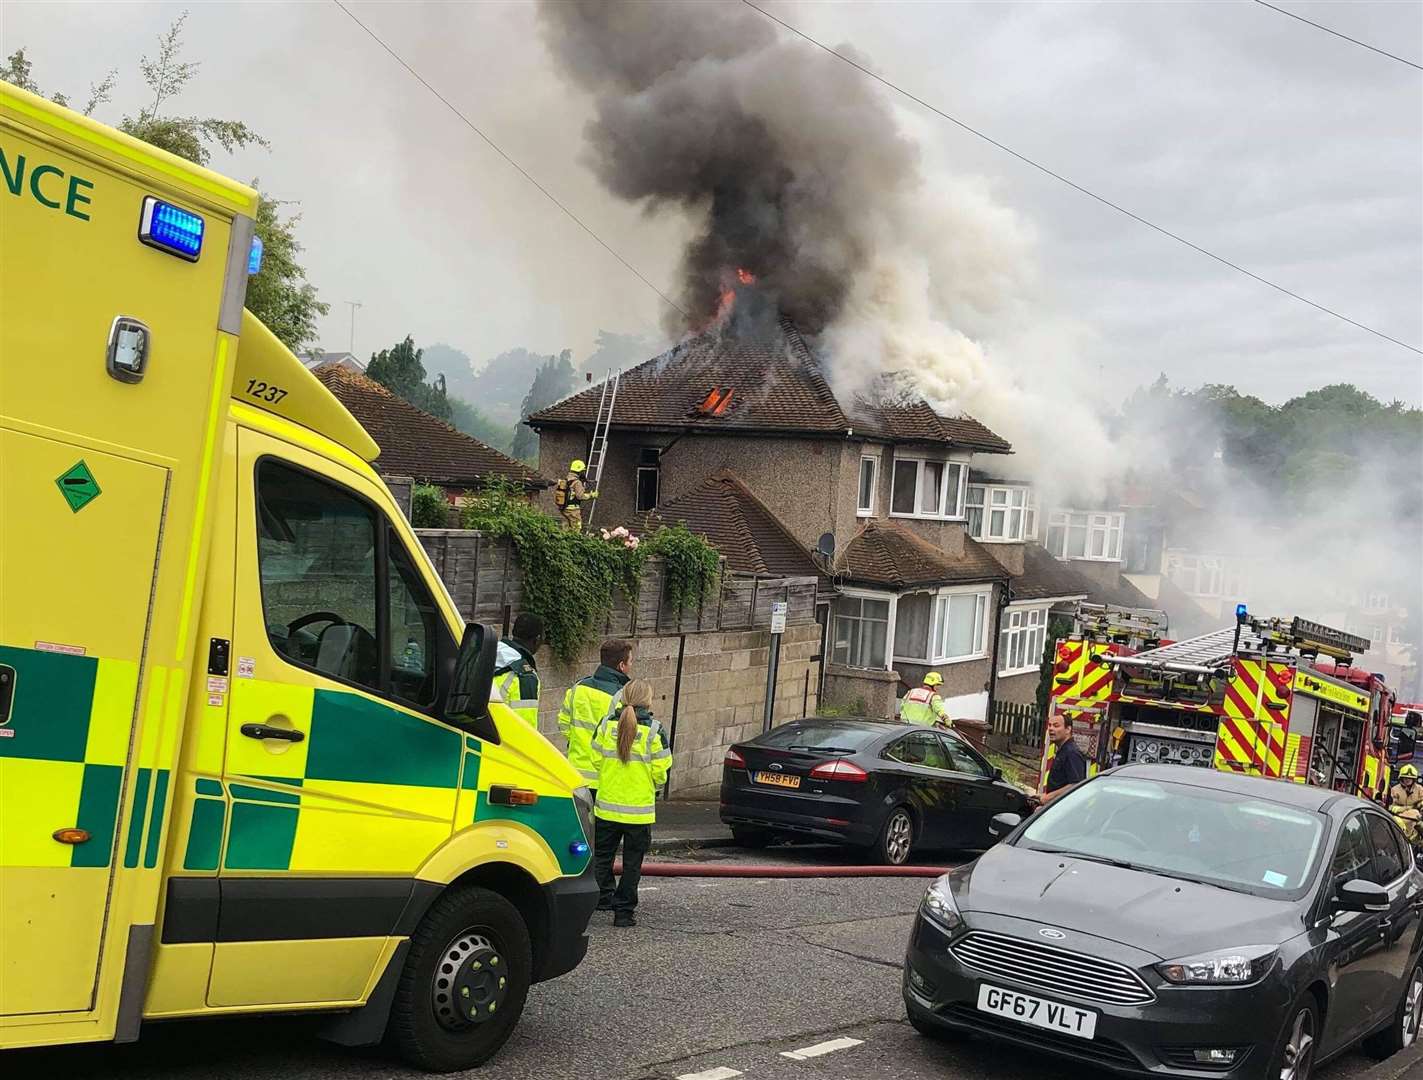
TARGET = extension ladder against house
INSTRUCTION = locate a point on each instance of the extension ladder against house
(598, 452)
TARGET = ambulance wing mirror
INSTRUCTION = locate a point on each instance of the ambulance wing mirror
(1413, 719)
(467, 699)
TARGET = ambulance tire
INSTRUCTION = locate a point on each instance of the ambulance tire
(463, 923)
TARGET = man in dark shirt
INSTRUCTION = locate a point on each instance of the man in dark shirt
(1069, 764)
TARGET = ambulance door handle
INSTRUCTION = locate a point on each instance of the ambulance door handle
(267, 731)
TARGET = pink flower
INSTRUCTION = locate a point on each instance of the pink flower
(632, 543)
(619, 532)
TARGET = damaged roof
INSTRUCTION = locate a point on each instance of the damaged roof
(771, 384)
(1047, 578)
(414, 443)
(723, 511)
(887, 554)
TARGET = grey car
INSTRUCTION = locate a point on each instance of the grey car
(1166, 921)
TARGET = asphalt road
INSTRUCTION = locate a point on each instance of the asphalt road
(723, 974)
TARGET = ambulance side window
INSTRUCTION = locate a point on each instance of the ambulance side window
(414, 626)
(316, 553)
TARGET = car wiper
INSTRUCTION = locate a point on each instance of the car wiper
(1107, 859)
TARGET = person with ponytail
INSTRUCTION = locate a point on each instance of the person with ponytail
(633, 758)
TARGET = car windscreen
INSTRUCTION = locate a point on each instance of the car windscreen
(1222, 838)
(809, 735)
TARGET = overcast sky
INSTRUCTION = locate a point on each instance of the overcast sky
(1278, 146)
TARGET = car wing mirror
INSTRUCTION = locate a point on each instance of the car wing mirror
(996, 774)
(1360, 895)
(466, 703)
(1000, 825)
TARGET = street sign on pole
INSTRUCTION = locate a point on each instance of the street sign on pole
(778, 617)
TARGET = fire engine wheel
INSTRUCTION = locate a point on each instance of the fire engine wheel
(464, 984)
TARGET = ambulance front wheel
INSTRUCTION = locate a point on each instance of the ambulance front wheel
(464, 984)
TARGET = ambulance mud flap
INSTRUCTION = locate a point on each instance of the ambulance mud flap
(366, 1026)
(138, 959)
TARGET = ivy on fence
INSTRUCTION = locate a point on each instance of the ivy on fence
(569, 578)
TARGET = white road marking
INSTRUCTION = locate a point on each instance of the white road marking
(721, 1072)
(819, 1049)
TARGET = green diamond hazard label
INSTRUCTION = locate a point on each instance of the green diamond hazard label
(78, 486)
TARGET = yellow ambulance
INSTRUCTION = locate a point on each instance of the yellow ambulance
(249, 760)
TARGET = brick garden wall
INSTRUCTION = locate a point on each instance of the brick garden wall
(724, 645)
(722, 698)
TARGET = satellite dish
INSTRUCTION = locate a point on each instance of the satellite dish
(826, 545)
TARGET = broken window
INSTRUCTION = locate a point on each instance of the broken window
(649, 477)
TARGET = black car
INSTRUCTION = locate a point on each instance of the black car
(889, 788)
(1165, 921)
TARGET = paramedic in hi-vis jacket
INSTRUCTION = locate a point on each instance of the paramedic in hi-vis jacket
(589, 702)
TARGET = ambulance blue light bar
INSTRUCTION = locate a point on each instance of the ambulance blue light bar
(171, 228)
(254, 256)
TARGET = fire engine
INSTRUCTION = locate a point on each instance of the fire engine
(1266, 697)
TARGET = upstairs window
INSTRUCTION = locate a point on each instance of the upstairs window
(1001, 513)
(1077, 534)
(927, 489)
(865, 500)
(649, 477)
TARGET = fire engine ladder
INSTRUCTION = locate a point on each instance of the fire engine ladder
(598, 453)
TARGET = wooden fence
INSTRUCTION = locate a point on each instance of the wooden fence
(483, 577)
(1021, 725)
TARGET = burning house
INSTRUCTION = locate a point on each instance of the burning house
(738, 432)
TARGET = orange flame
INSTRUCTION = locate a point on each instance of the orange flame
(746, 277)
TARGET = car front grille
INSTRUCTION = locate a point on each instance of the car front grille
(1052, 970)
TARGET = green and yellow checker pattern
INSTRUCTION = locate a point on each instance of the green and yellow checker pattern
(371, 789)
(62, 757)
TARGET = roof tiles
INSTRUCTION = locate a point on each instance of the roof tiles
(723, 511)
(889, 555)
(776, 385)
(414, 443)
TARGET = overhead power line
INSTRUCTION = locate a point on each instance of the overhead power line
(1076, 186)
(550, 196)
(1336, 33)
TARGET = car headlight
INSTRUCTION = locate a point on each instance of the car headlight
(1227, 967)
(938, 905)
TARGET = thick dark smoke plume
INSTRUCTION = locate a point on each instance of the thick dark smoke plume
(783, 155)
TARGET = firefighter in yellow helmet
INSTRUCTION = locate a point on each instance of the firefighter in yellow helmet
(633, 757)
(1408, 792)
(571, 493)
(923, 705)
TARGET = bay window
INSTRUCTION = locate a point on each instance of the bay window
(1001, 512)
(927, 489)
(941, 628)
(861, 631)
(1020, 644)
(1075, 534)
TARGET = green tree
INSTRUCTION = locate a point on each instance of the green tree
(474, 423)
(400, 371)
(553, 380)
(279, 294)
